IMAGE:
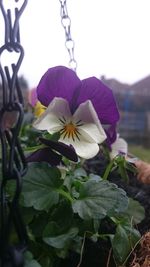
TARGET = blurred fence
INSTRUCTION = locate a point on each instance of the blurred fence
(134, 106)
(135, 127)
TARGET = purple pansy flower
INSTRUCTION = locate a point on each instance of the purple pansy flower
(77, 109)
(63, 82)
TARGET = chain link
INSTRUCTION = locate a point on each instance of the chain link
(13, 160)
(69, 43)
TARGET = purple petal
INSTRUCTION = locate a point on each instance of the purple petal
(111, 135)
(57, 82)
(45, 155)
(63, 149)
(102, 99)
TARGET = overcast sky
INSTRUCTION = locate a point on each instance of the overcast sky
(112, 38)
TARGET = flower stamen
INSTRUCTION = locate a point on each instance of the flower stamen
(70, 130)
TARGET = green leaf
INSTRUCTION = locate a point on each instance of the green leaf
(53, 137)
(135, 211)
(120, 245)
(28, 214)
(62, 214)
(28, 255)
(133, 235)
(58, 241)
(47, 261)
(40, 186)
(59, 219)
(80, 172)
(98, 198)
(94, 177)
(123, 242)
(10, 189)
(29, 261)
(38, 224)
(32, 263)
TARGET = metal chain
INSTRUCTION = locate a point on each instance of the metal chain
(13, 160)
(69, 43)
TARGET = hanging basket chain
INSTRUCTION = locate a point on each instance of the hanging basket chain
(69, 43)
(13, 159)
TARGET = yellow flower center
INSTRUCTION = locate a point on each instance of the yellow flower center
(39, 109)
(70, 130)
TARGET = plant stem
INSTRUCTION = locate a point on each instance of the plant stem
(65, 194)
(108, 169)
(34, 148)
(82, 248)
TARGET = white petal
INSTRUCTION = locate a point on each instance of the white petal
(49, 120)
(83, 148)
(92, 133)
(91, 128)
(120, 145)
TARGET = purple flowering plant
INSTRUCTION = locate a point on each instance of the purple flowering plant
(64, 202)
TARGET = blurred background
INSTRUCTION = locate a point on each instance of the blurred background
(111, 42)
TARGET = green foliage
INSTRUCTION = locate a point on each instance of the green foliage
(135, 212)
(61, 212)
(126, 236)
(58, 241)
(41, 186)
(120, 165)
(123, 242)
(92, 203)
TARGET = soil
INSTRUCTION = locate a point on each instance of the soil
(99, 254)
(141, 255)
